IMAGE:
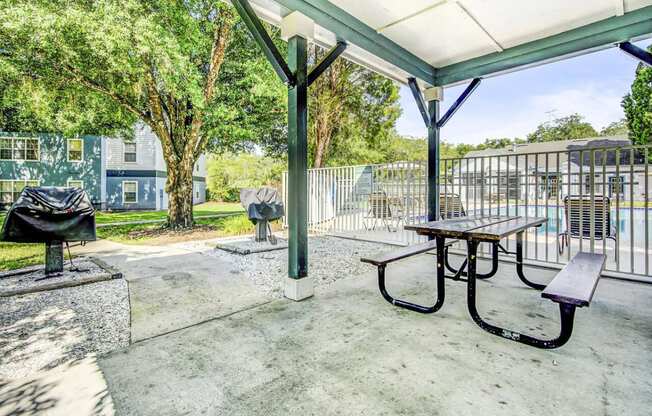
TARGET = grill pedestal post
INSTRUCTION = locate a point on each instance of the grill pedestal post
(261, 230)
(53, 257)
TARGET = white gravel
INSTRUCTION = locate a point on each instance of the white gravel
(329, 259)
(39, 331)
(33, 281)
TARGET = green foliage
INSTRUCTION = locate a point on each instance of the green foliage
(352, 111)
(18, 255)
(637, 105)
(89, 68)
(229, 173)
(616, 128)
(563, 128)
(236, 225)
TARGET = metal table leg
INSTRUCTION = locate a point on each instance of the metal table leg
(441, 274)
(461, 272)
(519, 264)
(566, 311)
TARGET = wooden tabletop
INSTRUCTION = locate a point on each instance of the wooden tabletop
(489, 228)
(498, 231)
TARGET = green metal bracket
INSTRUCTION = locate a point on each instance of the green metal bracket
(326, 61)
(458, 103)
(259, 33)
(637, 53)
(416, 92)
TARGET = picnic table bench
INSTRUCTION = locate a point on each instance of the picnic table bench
(572, 287)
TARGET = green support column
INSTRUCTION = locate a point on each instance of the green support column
(433, 161)
(297, 209)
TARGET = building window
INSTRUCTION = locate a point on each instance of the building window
(10, 190)
(129, 192)
(130, 152)
(74, 183)
(75, 150)
(19, 148)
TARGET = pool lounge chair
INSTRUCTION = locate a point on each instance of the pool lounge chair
(577, 211)
(382, 209)
(450, 206)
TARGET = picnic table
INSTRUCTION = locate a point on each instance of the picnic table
(572, 287)
(476, 230)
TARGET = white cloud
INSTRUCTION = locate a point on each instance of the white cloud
(600, 106)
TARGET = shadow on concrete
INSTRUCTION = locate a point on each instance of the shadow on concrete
(76, 388)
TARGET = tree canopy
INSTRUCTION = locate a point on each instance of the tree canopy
(351, 110)
(638, 105)
(563, 128)
(188, 69)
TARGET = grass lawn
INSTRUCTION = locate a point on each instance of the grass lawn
(14, 255)
(17, 255)
(157, 234)
(207, 208)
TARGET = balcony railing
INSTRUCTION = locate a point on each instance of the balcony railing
(596, 200)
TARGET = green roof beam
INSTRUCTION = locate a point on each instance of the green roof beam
(348, 28)
(593, 36)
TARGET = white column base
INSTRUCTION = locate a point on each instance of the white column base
(299, 289)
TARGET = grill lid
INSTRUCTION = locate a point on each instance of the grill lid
(43, 214)
(262, 204)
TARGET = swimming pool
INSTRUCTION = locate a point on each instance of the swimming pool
(624, 218)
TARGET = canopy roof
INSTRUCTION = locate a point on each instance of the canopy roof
(444, 42)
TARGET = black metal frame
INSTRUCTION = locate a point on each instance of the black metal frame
(567, 311)
(441, 291)
(461, 271)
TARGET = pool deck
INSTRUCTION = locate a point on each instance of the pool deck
(346, 351)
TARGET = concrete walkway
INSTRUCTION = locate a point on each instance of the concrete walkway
(76, 388)
(171, 287)
(348, 352)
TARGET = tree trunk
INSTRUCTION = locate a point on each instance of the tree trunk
(180, 195)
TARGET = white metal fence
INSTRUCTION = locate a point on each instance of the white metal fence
(596, 200)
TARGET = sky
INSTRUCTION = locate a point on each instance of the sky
(513, 105)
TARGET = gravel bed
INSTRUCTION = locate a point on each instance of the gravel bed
(330, 259)
(39, 331)
(33, 281)
(248, 245)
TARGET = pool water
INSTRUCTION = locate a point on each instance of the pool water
(557, 223)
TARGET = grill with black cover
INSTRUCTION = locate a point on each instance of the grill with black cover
(262, 205)
(50, 215)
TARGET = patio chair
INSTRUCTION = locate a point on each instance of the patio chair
(450, 206)
(577, 211)
(383, 209)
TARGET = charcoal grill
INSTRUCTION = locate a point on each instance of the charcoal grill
(53, 216)
(262, 205)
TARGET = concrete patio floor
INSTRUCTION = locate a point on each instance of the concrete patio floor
(171, 287)
(347, 351)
